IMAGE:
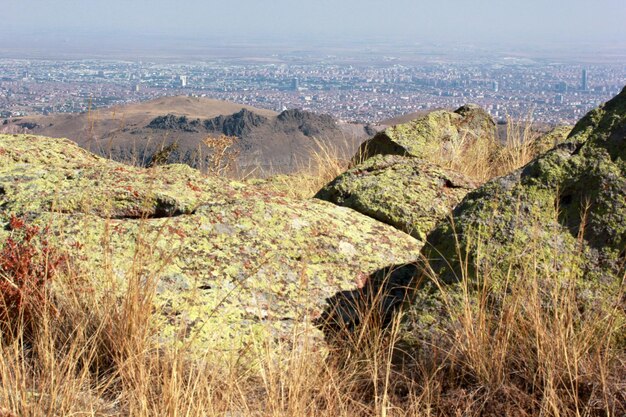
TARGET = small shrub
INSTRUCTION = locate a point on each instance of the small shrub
(224, 154)
(27, 264)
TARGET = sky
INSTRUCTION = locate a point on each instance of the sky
(482, 21)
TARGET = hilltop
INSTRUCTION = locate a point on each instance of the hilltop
(267, 143)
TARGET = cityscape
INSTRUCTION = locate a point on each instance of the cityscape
(385, 87)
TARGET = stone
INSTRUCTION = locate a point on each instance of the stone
(410, 194)
(551, 139)
(437, 131)
(230, 265)
(560, 222)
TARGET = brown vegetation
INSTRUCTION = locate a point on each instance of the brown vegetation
(93, 354)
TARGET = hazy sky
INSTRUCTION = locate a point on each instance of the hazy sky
(519, 21)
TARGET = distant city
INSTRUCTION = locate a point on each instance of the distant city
(365, 92)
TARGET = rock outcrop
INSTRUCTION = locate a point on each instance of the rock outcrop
(237, 124)
(560, 220)
(229, 263)
(408, 193)
(175, 123)
(433, 132)
(574, 194)
(392, 180)
(310, 124)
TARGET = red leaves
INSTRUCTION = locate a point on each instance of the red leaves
(27, 263)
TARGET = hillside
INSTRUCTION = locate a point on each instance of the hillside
(268, 143)
(444, 273)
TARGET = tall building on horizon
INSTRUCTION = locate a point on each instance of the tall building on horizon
(583, 81)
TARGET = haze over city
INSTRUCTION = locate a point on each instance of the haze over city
(314, 208)
(356, 60)
(486, 21)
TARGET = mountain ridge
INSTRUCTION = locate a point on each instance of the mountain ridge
(268, 142)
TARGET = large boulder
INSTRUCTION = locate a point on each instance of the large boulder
(558, 222)
(573, 198)
(229, 263)
(434, 132)
(408, 193)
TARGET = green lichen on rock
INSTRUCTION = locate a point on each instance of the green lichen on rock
(560, 220)
(43, 174)
(229, 263)
(431, 133)
(551, 139)
(408, 193)
(576, 191)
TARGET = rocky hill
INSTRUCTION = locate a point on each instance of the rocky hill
(560, 216)
(268, 142)
(219, 239)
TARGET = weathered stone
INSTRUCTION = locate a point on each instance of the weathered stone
(559, 221)
(551, 139)
(430, 133)
(576, 191)
(408, 193)
(228, 262)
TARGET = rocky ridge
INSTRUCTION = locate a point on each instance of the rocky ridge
(268, 143)
(558, 221)
(391, 180)
(559, 217)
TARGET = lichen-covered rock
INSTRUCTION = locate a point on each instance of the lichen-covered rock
(408, 193)
(551, 139)
(559, 221)
(576, 192)
(434, 132)
(229, 263)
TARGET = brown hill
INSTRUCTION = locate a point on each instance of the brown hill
(267, 142)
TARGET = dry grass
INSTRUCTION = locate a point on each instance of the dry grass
(480, 159)
(327, 161)
(93, 354)
(484, 158)
(520, 342)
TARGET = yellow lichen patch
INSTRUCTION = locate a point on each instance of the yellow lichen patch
(226, 262)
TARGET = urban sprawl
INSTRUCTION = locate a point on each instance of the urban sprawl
(545, 92)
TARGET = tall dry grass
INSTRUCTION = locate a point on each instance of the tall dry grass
(524, 339)
(486, 157)
(94, 354)
(479, 158)
(325, 162)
